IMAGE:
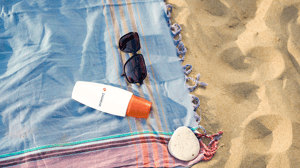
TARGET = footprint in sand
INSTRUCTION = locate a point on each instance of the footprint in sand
(242, 91)
(268, 134)
(234, 58)
(267, 140)
(215, 8)
(259, 65)
(268, 63)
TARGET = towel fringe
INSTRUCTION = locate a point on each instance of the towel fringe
(187, 69)
(211, 148)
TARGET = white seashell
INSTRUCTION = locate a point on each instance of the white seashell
(184, 144)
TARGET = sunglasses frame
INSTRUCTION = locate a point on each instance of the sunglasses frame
(135, 36)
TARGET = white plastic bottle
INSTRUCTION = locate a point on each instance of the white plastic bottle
(111, 99)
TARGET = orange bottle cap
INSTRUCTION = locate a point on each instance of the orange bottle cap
(138, 107)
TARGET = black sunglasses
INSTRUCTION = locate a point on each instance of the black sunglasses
(135, 68)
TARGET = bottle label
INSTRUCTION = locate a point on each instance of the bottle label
(101, 99)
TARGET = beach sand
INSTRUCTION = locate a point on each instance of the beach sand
(248, 52)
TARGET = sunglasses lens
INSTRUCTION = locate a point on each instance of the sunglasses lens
(135, 69)
(130, 42)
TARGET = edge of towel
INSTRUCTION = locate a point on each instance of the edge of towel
(175, 30)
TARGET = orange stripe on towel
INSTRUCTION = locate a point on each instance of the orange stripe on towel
(146, 159)
(155, 153)
(165, 156)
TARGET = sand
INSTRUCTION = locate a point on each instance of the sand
(248, 52)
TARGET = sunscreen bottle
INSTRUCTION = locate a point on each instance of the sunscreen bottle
(110, 99)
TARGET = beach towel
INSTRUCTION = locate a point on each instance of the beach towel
(47, 46)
